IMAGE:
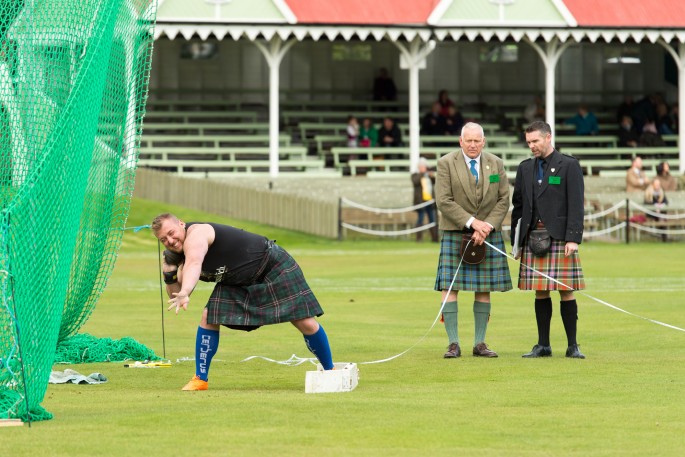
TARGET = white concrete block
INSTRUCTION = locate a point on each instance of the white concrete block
(344, 378)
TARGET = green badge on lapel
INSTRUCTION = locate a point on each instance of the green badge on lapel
(555, 179)
(494, 178)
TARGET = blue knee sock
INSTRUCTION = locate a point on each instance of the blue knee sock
(318, 345)
(206, 344)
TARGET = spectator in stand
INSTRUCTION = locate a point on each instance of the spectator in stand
(445, 102)
(674, 118)
(368, 134)
(453, 122)
(650, 136)
(636, 180)
(668, 182)
(535, 111)
(655, 195)
(625, 108)
(424, 191)
(585, 121)
(384, 88)
(643, 110)
(389, 135)
(664, 123)
(433, 122)
(352, 131)
(627, 135)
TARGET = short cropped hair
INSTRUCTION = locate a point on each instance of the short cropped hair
(473, 125)
(539, 126)
(157, 222)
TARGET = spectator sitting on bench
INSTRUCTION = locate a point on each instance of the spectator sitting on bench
(352, 131)
(650, 136)
(389, 135)
(668, 182)
(585, 121)
(636, 180)
(627, 135)
(433, 122)
(535, 111)
(445, 102)
(664, 122)
(655, 195)
(453, 122)
(368, 134)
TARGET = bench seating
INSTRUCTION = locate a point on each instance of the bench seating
(208, 141)
(294, 117)
(172, 105)
(222, 153)
(200, 116)
(205, 128)
(605, 140)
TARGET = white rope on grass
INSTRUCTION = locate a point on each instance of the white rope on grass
(299, 360)
(587, 295)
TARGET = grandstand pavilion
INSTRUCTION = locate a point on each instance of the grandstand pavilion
(276, 51)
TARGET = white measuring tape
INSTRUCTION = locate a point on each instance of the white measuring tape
(294, 360)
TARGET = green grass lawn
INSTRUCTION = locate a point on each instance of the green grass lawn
(626, 399)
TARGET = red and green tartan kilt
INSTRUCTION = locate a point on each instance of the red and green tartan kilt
(555, 264)
(280, 294)
(492, 275)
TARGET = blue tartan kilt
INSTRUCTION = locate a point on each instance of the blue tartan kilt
(279, 294)
(492, 275)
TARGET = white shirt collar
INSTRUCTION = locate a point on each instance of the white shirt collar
(469, 159)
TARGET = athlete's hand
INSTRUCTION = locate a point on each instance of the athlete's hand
(180, 300)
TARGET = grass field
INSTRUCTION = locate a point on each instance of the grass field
(626, 399)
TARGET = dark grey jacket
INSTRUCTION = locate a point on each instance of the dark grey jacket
(560, 198)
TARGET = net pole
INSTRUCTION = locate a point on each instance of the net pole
(161, 296)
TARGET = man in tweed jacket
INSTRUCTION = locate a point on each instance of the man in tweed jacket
(472, 194)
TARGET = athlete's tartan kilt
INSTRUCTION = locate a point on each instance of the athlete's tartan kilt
(491, 275)
(555, 265)
(280, 294)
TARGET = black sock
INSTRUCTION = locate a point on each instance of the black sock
(569, 316)
(543, 315)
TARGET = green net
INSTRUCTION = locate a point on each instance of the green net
(85, 348)
(73, 86)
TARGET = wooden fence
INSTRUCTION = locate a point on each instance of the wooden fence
(225, 198)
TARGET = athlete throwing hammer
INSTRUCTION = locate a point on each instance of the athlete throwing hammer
(257, 283)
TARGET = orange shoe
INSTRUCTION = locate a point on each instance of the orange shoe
(196, 384)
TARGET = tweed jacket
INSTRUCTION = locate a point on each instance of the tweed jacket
(560, 198)
(459, 198)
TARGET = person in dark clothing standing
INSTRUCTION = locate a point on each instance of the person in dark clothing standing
(423, 182)
(384, 89)
(257, 283)
(548, 217)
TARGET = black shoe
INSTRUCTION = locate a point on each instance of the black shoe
(453, 351)
(539, 351)
(574, 353)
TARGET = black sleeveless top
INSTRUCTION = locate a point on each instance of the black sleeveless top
(234, 257)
